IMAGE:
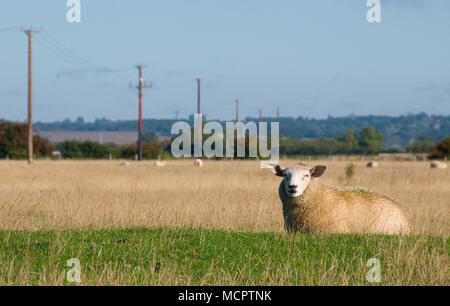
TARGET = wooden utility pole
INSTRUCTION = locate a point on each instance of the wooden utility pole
(141, 85)
(29, 33)
(260, 115)
(30, 95)
(200, 128)
(237, 110)
(278, 114)
(141, 81)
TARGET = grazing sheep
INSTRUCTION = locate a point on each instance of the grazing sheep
(125, 163)
(159, 163)
(198, 163)
(438, 164)
(310, 207)
(56, 155)
(372, 164)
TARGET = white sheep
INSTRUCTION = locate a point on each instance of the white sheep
(56, 155)
(438, 164)
(310, 207)
(159, 163)
(124, 164)
(372, 164)
(198, 163)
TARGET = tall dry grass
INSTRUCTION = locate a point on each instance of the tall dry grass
(230, 195)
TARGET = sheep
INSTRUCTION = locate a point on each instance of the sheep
(372, 164)
(198, 163)
(159, 163)
(310, 207)
(125, 163)
(438, 164)
(56, 155)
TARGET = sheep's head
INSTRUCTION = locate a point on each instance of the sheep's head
(297, 177)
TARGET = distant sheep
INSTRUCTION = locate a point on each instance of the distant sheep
(372, 164)
(198, 163)
(159, 163)
(310, 207)
(438, 164)
(124, 164)
(56, 155)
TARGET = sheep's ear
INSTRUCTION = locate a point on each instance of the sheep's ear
(317, 171)
(277, 169)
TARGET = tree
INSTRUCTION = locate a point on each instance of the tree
(147, 136)
(424, 144)
(350, 142)
(152, 149)
(442, 149)
(14, 141)
(87, 149)
(371, 141)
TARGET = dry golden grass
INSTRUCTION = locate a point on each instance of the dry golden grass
(229, 195)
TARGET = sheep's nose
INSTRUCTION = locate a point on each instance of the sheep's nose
(292, 187)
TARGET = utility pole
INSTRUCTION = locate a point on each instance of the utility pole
(237, 110)
(198, 96)
(260, 115)
(141, 85)
(29, 33)
(278, 114)
(141, 80)
(200, 128)
(176, 114)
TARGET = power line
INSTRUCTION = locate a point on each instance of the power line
(59, 51)
(56, 47)
(62, 47)
(52, 44)
(45, 45)
(63, 50)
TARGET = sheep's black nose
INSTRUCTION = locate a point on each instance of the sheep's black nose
(292, 187)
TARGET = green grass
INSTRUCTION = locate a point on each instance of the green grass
(211, 257)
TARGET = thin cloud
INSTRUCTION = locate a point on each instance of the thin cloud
(83, 73)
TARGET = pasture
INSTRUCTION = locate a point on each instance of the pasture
(217, 225)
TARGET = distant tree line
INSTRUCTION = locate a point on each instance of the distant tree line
(14, 144)
(151, 149)
(14, 141)
(369, 141)
(398, 131)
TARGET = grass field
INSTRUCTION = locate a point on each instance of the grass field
(212, 257)
(220, 224)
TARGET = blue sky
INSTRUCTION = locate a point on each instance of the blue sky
(310, 58)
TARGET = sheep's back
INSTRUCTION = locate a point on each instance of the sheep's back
(370, 212)
(323, 209)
